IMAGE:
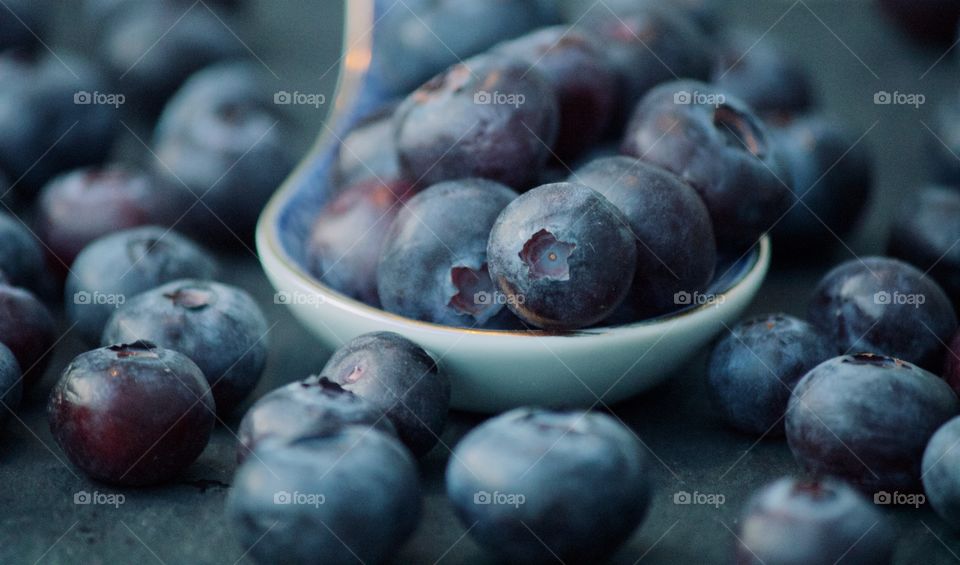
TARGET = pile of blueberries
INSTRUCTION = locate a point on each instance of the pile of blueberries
(527, 173)
(567, 178)
(85, 216)
(66, 164)
(559, 177)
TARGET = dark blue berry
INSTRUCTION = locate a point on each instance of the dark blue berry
(717, 144)
(584, 84)
(115, 268)
(347, 237)
(219, 327)
(563, 256)
(434, 263)
(83, 205)
(311, 407)
(754, 368)
(349, 496)
(490, 117)
(28, 329)
(647, 45)
(132, 414)
(813, 522)
(151, 48)
(369, 151)
(866, 418)
(537, 486)
(763, 76)
(941, 472)
(881, 305)
(676, 248)
(50, 121)
(401, 379)
(222, 140)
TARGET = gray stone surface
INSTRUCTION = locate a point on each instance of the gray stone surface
(853, 53)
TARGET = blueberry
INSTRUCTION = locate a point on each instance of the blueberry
(584, 84)
(882, 305)
(491, 117)
(763, 76)
(116, 267)
(132, 414)
(401, 379)
(83, 205)
(814, 522)
(219, 327)
(349, 496)
(416, 39)
(931, 21)
(563, 256)
(647, 45)
(21, 257)
(754, 368)
(311, 407)
(832, 178)
(151, 48)
(434, 264)
(538, 486)
(345, 243)
(223, 140)
(925, 235)
(46, 130)
(866, 418)
(28, 329)
(941, 472)
(11, 383)
(717, 144)
(676, 248)
(369, 151)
